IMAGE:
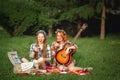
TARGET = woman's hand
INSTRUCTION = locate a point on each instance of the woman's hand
(69, 48)
(37, 49)
(56, 45)
(40, 59)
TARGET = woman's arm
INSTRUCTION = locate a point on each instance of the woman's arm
(33, 50)
(74, 48)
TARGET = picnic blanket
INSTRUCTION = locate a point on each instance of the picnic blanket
(52, 70)
(27, 68)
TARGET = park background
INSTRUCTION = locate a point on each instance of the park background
(98, 44)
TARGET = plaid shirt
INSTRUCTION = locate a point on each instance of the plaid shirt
(48, 52)
(55, 49)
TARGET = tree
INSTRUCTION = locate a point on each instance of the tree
(103, 16)
(48, 14)
(19, 15)
(104, 7)
(77, 11)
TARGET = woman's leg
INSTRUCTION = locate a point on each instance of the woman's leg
(60, 67)
(24, 60)
(72, 67)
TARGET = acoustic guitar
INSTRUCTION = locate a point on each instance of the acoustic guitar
(61, 56)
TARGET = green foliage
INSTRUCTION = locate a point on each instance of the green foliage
(84, 12)
(19, 16)
(102, 55)
(112, 6)
(99, 8)
(47, 17)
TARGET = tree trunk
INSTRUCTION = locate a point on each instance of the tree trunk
(102, 33)
(50, 30)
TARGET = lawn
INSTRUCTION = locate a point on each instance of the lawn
(102, 55)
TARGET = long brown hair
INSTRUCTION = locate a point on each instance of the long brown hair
(44, 44)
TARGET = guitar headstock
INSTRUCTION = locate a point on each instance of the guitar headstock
(84, 26)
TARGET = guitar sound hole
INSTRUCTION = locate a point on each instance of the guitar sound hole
(63, 55)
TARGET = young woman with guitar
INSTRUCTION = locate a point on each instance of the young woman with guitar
(62, 51)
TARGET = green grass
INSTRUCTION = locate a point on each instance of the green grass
(102, 55)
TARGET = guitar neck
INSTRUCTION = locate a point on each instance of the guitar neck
(77, 35)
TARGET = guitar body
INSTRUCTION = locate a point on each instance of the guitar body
(62, 57)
